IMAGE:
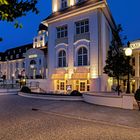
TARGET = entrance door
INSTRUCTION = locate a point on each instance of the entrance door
(82, 85)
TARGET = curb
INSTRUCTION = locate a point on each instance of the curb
(50, 97)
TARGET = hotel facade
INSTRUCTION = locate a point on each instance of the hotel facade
(80, 32)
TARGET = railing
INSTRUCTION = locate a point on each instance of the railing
(9, 86)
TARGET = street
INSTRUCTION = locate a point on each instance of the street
(33, 119)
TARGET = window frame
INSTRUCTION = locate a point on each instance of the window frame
(62, 31)
(61, 59)
(82, 58)
(64, 4)
(82, 26)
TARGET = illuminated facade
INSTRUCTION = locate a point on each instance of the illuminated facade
(135, 79)
(29, 60)
(80, 32)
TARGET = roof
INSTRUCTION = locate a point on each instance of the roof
(42, 27)
(11, 54)
(68, 9)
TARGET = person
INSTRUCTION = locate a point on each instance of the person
(4, 78)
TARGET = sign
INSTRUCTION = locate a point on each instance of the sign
(33, 56)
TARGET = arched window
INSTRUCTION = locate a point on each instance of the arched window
(32, 64)
(62, 59)
(82, 57)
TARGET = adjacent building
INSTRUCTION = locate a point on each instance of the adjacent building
(28, 60)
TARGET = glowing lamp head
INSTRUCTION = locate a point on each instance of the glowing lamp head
(128, 52)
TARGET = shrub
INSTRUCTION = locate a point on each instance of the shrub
(25, 89)
(137, 95)
(38, 77)
(75, 93)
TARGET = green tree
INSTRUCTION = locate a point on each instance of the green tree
(117, 65)
(11, 10)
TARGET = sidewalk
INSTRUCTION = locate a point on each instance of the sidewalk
(113, 116)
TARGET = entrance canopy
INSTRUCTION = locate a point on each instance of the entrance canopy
(59, 76)
(80, 76)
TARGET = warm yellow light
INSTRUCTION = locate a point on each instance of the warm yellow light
(33, 56)
(55, 8)
(110, 80)
(128, 52)
(71, 2)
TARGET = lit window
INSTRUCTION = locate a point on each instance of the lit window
(62, 85)
(82, 26)
(82, 57)
(82, 86)
(63, 4)
(62, 59)
(62, 32)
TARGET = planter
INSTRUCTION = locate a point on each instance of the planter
(138, 102)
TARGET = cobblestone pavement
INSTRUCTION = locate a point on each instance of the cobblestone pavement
(33, 119)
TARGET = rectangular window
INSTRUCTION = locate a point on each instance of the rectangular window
(63, 4)
(62, 85)
(62, 31)
(82, 26)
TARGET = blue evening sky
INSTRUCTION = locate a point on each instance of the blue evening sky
(125, 12)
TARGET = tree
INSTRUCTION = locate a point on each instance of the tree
(10, 10)
(116, 63)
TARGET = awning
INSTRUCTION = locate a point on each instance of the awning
(59, 76)
(80, 76)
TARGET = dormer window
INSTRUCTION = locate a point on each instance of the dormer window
(36, 40)
(63, 4)
(41, 38)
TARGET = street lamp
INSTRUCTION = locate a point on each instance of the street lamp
(128, 53)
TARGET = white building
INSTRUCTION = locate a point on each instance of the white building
(29, 60)
(80, 32)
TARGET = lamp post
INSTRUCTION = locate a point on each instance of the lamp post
(128, 53)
